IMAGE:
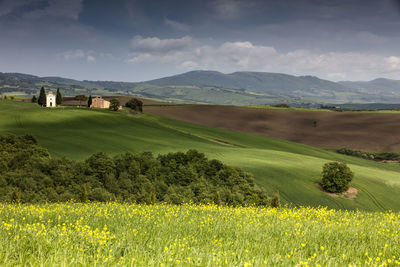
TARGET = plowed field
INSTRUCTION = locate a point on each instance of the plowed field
(356, 130)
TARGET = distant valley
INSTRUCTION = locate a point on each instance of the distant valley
(211, 87)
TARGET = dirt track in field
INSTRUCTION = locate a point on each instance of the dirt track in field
(363, 131)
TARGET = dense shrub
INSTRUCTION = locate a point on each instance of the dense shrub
(114, 104)
(135, 104)
(29, 174)
(282, 105)
(336, 177)
(377, 156)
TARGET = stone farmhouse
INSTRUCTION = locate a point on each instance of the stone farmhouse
(99, 102)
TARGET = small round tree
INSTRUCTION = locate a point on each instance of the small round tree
(336, 177)
(114, 104)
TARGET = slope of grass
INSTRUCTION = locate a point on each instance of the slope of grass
(290, 168)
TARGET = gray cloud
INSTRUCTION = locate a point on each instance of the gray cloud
(245, 56)
(79, 54)
(8, 6)
(177, 25)
(37, 9)
(157, 45)
(334, 39)
(69, 9)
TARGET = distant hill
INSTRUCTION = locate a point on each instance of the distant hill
(276, 84)
(379, 85)
(212, 87)
(262, 82)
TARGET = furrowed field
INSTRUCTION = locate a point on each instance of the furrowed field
(190, 235)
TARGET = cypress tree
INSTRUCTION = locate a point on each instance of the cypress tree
(34, 99)
(58, 97)
(42, 97)
(89, 103)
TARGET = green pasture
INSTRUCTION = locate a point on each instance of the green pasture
(280, 166)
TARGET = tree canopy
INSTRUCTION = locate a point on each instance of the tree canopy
(135, 104)
(114, 104)
(29, 174)
(336, 177)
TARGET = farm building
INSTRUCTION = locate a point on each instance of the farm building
(99, 102)
(50, 100)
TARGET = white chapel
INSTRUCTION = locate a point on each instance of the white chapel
(50, 100)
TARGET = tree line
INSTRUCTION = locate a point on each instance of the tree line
(29, 174)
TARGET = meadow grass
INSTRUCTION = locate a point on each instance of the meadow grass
(194, 235)
(291, 169)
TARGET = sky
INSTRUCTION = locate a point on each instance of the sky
(134, 40)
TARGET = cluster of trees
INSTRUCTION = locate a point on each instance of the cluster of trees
(282, 105)
(114, 104)
(42, 98)
(135, 104)
(29, 174)
(377, 156)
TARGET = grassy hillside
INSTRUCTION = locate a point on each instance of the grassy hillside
(292, 169)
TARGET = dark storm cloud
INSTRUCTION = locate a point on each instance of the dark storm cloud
(137, 40)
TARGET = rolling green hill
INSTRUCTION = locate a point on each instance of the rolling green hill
(290, 168)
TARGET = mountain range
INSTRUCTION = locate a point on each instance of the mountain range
(212, 87)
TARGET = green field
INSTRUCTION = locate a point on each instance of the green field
(290, 168)
(114, 234)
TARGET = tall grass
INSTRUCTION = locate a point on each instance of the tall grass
(194, 235)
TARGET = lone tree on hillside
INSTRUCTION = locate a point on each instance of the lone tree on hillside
(81, 98)
(336, 177)
(114, 104)
(59, 98)
(90, 101)
(42, 97)
(135, 104)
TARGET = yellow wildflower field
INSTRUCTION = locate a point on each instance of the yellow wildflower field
(108, 234)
